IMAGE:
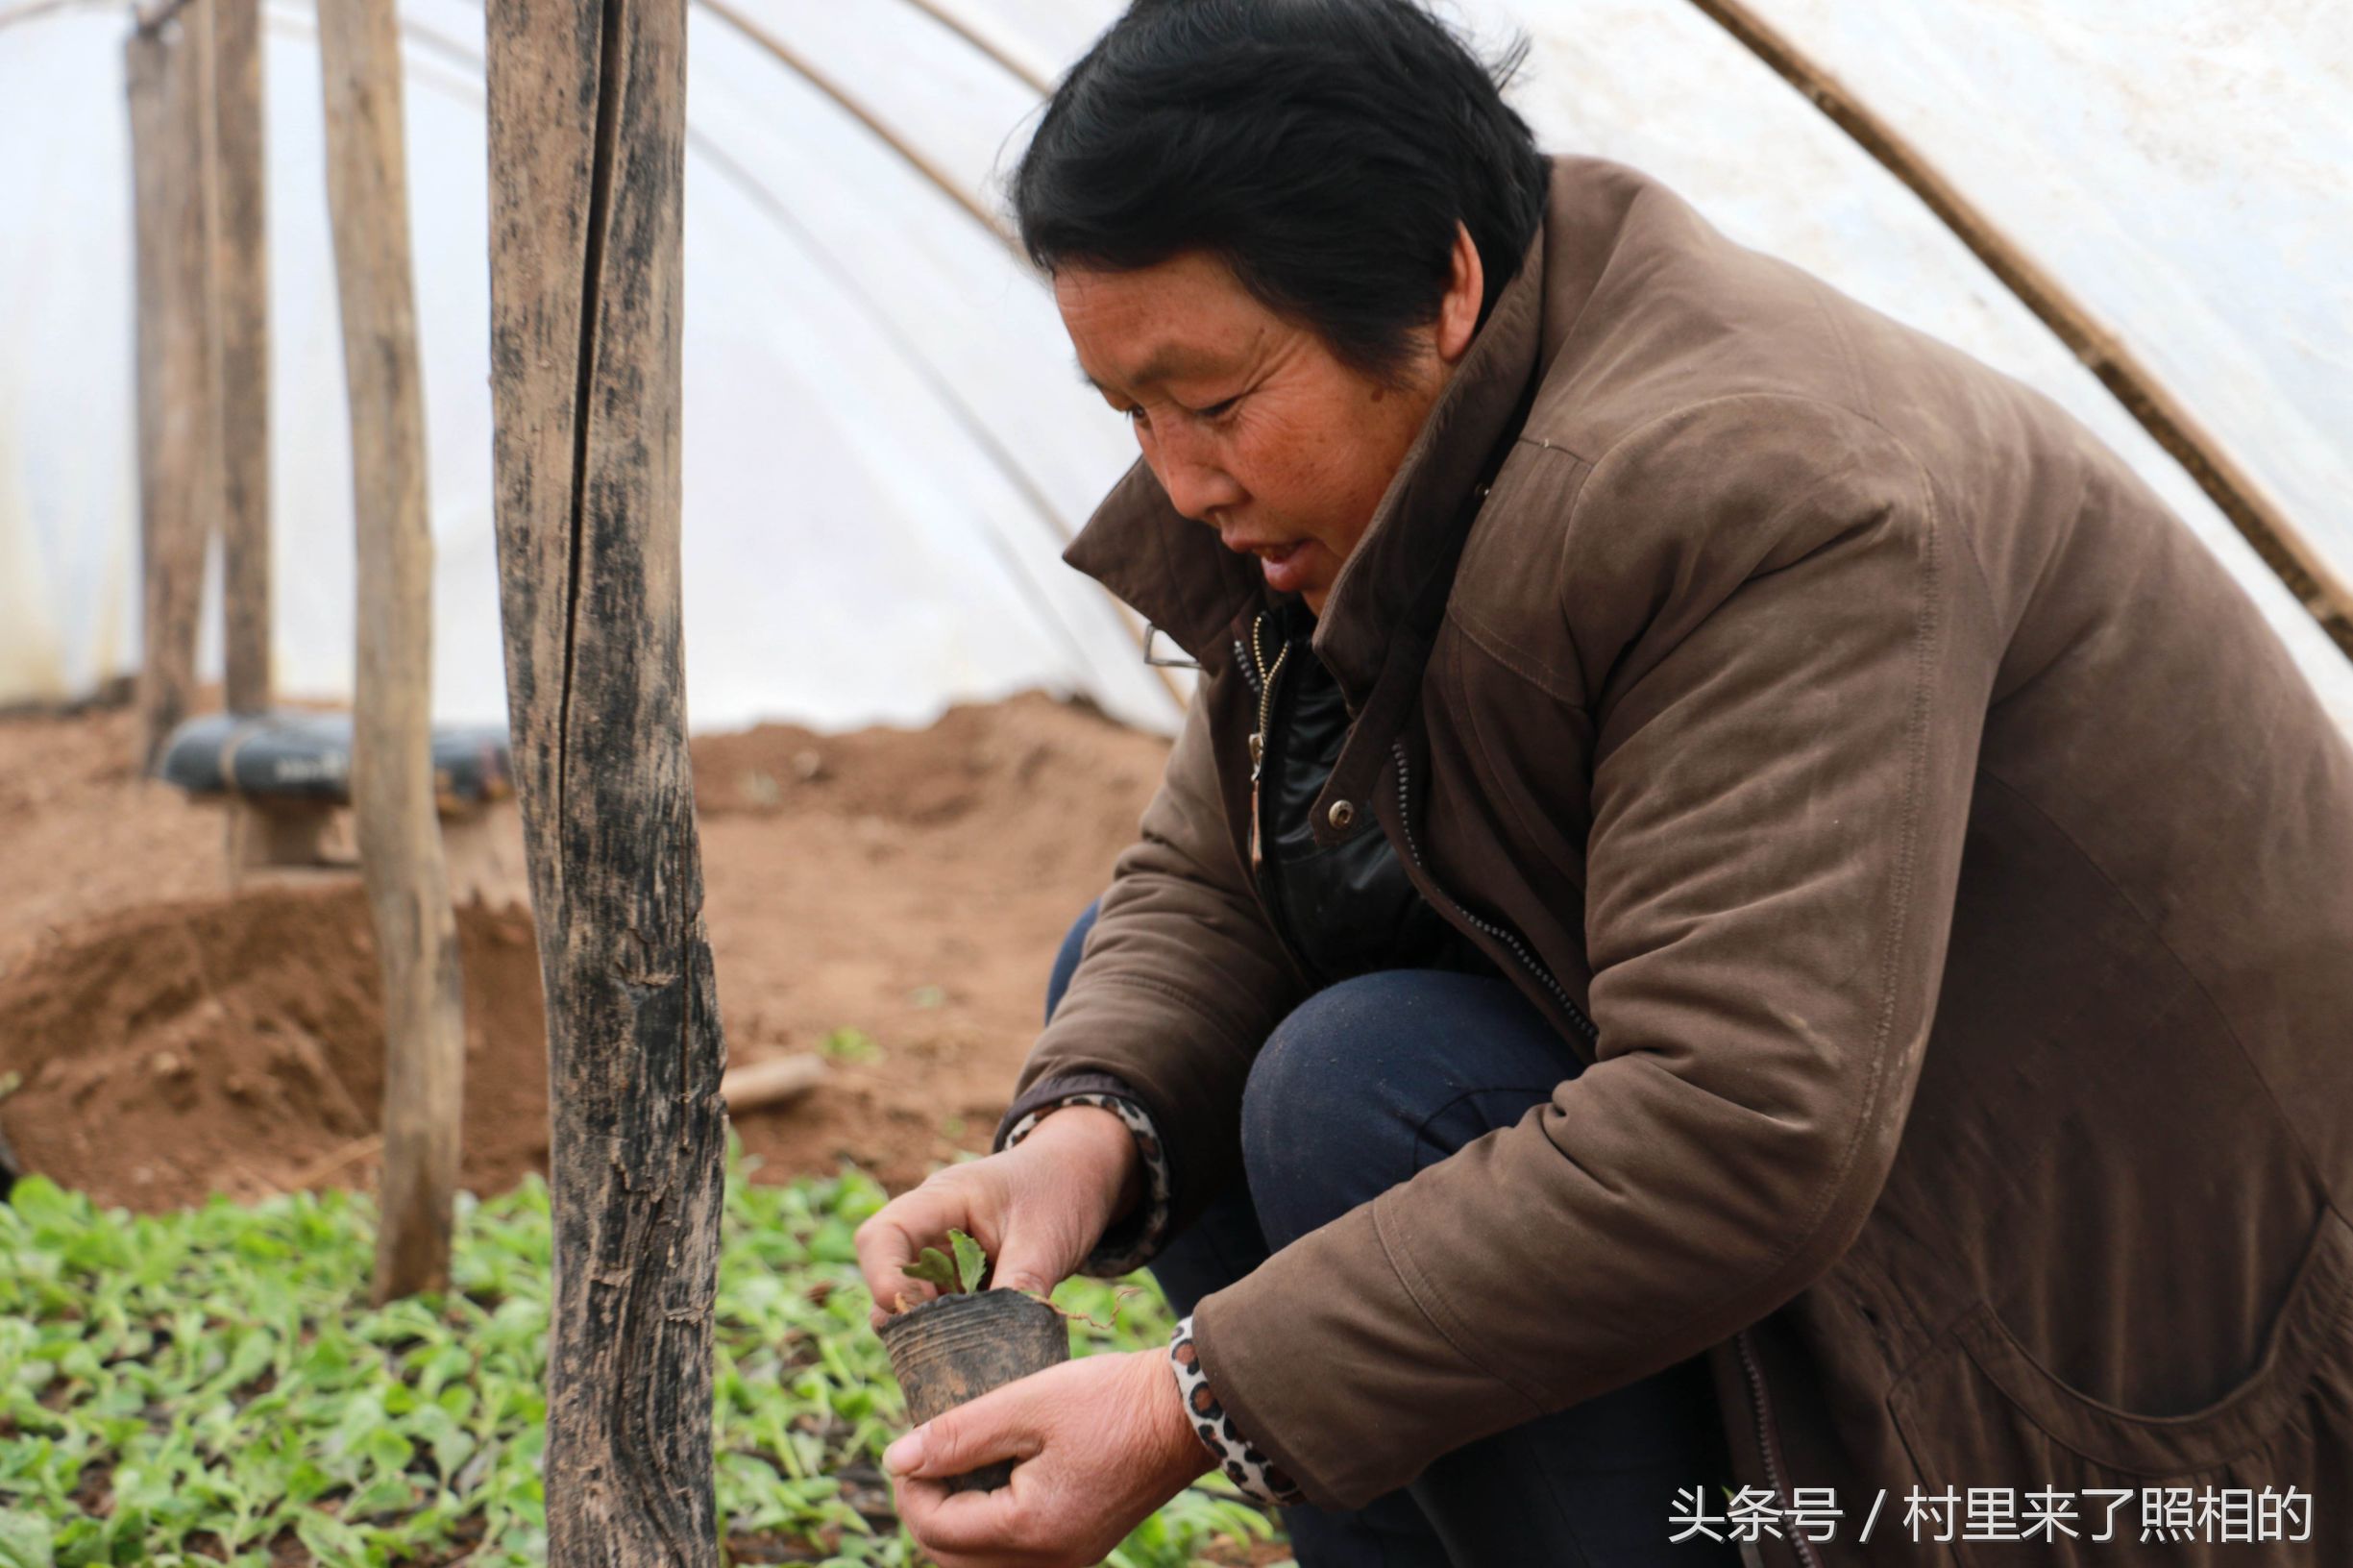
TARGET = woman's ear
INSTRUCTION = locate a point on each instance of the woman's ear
(1466, 290)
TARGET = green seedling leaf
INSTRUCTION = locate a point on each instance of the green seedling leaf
(849, 1046)
(223, 1367)
(24, 1541)
(933, 1268)
(960, 1273)
(970, 1262)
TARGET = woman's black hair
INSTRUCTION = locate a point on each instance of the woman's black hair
(1325, 149)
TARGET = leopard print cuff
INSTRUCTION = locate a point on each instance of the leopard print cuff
(1257, 1476)
(1129, 1255)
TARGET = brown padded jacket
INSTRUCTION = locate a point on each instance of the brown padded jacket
(1941, 866)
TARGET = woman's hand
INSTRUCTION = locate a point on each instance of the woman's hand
(1101, 1442)
(1038, 1208)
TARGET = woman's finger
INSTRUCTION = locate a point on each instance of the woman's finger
(895, 1234)
(1001, 1424)
(990, 1525)
(1034, 1260)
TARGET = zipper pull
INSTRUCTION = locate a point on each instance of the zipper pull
(1258, 736)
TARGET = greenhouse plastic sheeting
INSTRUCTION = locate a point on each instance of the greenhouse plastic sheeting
(886, 438)
(2211, 228)
(886, 442)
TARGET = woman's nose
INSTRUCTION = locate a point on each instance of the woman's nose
(1196, 483)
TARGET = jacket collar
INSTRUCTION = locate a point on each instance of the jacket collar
(1177, 574)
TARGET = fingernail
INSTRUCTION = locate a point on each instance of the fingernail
(904, 1455)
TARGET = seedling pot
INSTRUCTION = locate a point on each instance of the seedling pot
(957, 1347)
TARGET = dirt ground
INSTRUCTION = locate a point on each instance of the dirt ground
(168, 1038)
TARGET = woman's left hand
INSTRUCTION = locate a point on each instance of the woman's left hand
(1101, 1442)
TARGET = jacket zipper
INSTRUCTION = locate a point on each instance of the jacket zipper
(1264, 679)
(1767, 1445)
(1503, 934)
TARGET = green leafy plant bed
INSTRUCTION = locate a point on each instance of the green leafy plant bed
(212, 1385)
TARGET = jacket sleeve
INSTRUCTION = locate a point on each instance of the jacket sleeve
(1178, 984)
(1794, 653)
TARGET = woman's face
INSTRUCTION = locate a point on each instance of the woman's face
(1248, 420)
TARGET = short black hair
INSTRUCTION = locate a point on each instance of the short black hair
(1325, 149)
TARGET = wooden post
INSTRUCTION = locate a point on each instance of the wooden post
(241, 286)
(392, 770)
(145, 68)
(168, 68)
(587, 103)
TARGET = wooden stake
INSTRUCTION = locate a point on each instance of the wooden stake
(587, 104)
(241, 284)
(167, 67)
(392, 773)
(758, 1086)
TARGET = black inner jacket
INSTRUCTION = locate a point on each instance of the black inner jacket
(1349, 908)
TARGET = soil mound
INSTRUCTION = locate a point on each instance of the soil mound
(895, 896)
(237, 1044)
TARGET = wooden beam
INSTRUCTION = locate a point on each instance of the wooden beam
(392, 770)
(2299, 563)
(952, 398)
(983, 34)
(241, 283)
(165, 70)
(882, 131)
(587, 103)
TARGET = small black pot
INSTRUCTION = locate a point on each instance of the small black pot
(957, 1347)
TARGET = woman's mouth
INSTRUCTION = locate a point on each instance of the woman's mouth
(1283, 561)
(1284, 565)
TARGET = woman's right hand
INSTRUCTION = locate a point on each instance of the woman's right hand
(1038, 1208)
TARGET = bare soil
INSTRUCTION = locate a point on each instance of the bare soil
(172, 1039)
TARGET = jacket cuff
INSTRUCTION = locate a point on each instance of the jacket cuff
(1245, 1465)
(1051, 1092)
(1135, 1240)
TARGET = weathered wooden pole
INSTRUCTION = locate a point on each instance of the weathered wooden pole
(241, 288)
(147, 88)
(168, 65)
(392, 768)
(587, 108)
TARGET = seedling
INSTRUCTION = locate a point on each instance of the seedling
(848, 1045)
(92, 1301)
(962, 1275)
(967, 1340)
(965, 1273)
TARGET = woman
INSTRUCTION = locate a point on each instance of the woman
(1739, 909)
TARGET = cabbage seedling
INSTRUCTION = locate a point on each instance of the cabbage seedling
(964, 1273)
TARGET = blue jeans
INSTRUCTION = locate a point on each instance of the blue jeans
(1364, 1085)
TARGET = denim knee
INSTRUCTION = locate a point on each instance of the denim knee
(1316, 1101)
(1370, 1079)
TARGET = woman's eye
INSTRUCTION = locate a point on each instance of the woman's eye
(1216, 410)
